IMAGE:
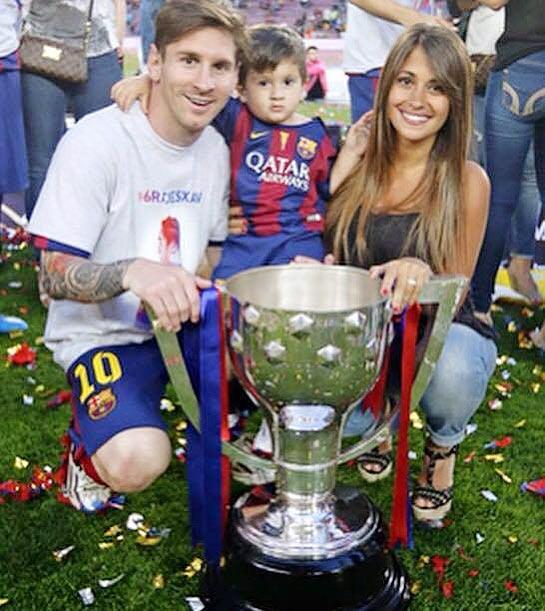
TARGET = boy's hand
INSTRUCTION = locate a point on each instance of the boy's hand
(329, 259)
(238, 225)
(125, 92)
(357, 137)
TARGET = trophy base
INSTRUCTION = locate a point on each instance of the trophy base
(368, 577)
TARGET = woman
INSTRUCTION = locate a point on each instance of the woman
(415, 207)
(514, 116)
(45, 101)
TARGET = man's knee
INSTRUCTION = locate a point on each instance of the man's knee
(133, 459)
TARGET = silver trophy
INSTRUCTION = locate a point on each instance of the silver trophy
(307, 342)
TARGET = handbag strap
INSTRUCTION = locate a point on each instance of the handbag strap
(88, 24)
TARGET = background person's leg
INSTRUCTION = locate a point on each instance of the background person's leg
(362, 89)
(104, 71)
(44, 107)
(507, 143)
(522, 240)
(148, 12)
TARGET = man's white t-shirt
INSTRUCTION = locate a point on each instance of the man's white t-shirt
(368, 38)
(114, 191)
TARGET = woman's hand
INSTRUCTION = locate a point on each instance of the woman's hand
(402, 280)
(125, 92)
(328, 259)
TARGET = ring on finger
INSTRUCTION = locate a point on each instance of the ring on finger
(412, 282)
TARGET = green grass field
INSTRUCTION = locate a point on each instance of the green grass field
(30, 577)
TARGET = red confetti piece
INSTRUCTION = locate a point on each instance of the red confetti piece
(510, 586)
(503, 442)
(63, 396)
(21, 354)
(537, 487)
(473, 572)
(447, 589)
(438, 564)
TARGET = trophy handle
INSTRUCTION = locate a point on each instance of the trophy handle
(172, 356)
(446, 291)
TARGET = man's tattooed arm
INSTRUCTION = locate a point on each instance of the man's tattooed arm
(64, 276)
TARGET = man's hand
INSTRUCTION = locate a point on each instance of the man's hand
(169, 290)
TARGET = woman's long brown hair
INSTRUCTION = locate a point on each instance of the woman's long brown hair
(439, 232)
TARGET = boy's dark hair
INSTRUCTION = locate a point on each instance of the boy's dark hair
(312, 48)
(269, 45)
(177, 18)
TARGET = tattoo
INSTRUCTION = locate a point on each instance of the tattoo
(64, 276)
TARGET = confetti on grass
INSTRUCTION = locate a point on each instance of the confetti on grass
(108, 583)
(489, 496)
(21, 354)
(536, 487)
(158, 582)
(87, 596)
(61, 554)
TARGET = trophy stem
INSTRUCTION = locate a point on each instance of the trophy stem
(307, 451)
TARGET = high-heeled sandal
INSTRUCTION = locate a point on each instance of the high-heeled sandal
(441, 499)
(376, 457)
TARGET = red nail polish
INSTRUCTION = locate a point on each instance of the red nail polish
(384, 292)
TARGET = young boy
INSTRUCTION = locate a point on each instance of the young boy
(282, 170)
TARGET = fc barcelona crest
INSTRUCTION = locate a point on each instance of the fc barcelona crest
(101, 404)
(306, 147)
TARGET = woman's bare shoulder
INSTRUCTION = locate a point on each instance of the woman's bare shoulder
(476, 187)
(475, 176)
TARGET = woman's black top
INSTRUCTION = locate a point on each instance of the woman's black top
(385, 236)
(524, 32)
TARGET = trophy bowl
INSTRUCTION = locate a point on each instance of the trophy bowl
(307, 334)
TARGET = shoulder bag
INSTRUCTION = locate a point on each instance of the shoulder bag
(54, 58)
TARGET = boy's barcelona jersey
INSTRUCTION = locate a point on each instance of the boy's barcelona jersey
(279, 173)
